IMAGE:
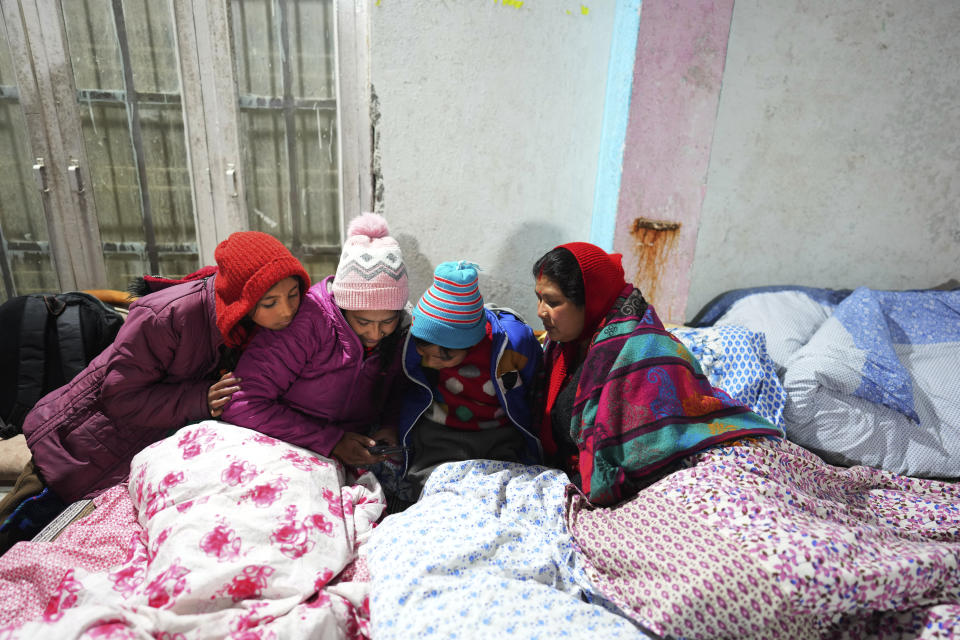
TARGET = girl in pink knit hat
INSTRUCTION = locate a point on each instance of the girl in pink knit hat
(331, 377)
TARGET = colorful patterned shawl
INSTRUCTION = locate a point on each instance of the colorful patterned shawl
(643, 402)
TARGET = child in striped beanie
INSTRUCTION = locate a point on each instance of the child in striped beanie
(471, 370)
(450, 313)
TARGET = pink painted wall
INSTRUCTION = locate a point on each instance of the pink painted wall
(681, 47)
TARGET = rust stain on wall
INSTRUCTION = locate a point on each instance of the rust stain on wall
(654, 241)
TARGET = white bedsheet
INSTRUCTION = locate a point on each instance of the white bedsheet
(484, 553)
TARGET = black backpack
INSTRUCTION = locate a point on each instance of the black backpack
(45, 340)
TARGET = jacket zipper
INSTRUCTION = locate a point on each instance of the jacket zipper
(406, 372)
(503, 393)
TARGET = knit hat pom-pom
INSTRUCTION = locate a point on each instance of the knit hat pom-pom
(372, 225)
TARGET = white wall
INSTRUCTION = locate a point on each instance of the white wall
(836, 157)
(489, 132)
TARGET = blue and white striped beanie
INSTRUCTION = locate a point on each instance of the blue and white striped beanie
(450, 313)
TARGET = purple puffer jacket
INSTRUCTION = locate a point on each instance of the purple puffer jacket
(309, 383)
(153, 378)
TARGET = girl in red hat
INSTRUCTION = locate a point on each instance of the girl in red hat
(163, 371)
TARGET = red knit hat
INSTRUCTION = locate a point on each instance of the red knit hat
(249, 263)
(603, 280)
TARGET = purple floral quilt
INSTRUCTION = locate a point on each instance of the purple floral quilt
(762, 539)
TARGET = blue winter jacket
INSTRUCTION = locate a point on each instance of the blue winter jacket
(517, 356)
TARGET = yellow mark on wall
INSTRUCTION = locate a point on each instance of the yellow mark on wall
(516, 4)
(584, 10)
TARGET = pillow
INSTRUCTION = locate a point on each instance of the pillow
(876, 385)
(786, 318)
(714, 309)
(735, 359)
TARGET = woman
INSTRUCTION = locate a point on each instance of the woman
(326, 382)
(624, 400)
(160, 373)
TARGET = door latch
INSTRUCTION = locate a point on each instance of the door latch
(40, 173)
(232, 180)
(73, 170)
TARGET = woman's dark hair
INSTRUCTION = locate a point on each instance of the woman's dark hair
(391, 346)
(560, 266)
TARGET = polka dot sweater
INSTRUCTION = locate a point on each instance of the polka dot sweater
(465, 397)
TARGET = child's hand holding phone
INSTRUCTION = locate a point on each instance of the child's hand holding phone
(384, 448)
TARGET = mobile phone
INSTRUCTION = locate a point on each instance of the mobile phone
(386, 449)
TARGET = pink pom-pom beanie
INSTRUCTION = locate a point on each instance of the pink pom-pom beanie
(371, 275)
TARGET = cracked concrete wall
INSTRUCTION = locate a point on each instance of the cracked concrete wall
(490, 118)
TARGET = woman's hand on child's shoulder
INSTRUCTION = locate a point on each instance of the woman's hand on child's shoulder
(220, 393)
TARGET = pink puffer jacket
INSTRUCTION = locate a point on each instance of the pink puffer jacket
(310, 382)
(153, 379)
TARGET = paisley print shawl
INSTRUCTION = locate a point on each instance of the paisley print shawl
(643, 402)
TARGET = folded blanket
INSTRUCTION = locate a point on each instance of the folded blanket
(877, 383)
(735, 359)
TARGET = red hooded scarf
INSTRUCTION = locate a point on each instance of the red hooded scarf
(603, 281)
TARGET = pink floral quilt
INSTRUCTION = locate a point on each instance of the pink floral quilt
(239, 536)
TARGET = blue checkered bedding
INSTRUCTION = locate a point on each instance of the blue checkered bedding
(870, 376)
